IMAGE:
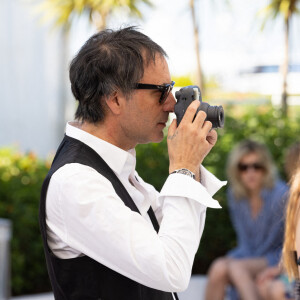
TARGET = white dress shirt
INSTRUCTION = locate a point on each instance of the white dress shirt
(85, 216)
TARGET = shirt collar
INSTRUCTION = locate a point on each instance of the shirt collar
(120, 161)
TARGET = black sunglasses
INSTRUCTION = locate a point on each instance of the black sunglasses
(254, 166)
(165, 89)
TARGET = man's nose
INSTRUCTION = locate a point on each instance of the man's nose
(169, 103)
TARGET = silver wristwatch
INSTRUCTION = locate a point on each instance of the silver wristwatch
(185, 172)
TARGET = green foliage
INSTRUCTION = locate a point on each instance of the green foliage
(21, 178)
(263, 124)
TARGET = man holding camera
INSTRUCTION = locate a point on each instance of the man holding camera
(107, 233)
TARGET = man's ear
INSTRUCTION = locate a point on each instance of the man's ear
(115, 102)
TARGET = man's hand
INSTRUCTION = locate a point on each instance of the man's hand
(191, 141)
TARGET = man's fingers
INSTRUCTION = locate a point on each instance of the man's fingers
(212, 137)
(172, 128)
(207, 126)
(200, 119)
(190, 112)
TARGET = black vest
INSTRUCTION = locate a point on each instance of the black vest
(83, 278)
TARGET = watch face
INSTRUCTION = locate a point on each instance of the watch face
(186, 172)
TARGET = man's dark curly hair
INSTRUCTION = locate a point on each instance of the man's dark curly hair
(107, 62)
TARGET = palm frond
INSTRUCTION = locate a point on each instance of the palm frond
(285, 8)
(61, 12)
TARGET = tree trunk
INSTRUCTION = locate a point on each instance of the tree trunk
(199, 79)
(285, 67)
(64, 82)
(99, 19)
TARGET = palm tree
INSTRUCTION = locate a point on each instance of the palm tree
(286, 9)
(199, 77)
(63, 11)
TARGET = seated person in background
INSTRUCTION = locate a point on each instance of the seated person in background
(256, 199)
(291, 246)
(273, 283)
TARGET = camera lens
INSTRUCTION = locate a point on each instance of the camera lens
(215, 114)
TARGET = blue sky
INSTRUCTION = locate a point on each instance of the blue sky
(230, 35)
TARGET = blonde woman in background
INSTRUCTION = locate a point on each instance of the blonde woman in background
(291, 247)
(273, 283)
(256, 201)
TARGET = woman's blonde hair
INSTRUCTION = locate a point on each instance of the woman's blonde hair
(292, 216)
(233, 174)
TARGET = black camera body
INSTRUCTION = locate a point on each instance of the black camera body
(186, 95)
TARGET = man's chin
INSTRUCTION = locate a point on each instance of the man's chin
(158, 138)
(154, 139)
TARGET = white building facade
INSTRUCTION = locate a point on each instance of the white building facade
(35, 94)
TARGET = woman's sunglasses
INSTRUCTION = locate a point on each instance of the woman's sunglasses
(254, 166)
(165, 89)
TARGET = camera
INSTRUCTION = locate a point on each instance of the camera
(185, 96)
